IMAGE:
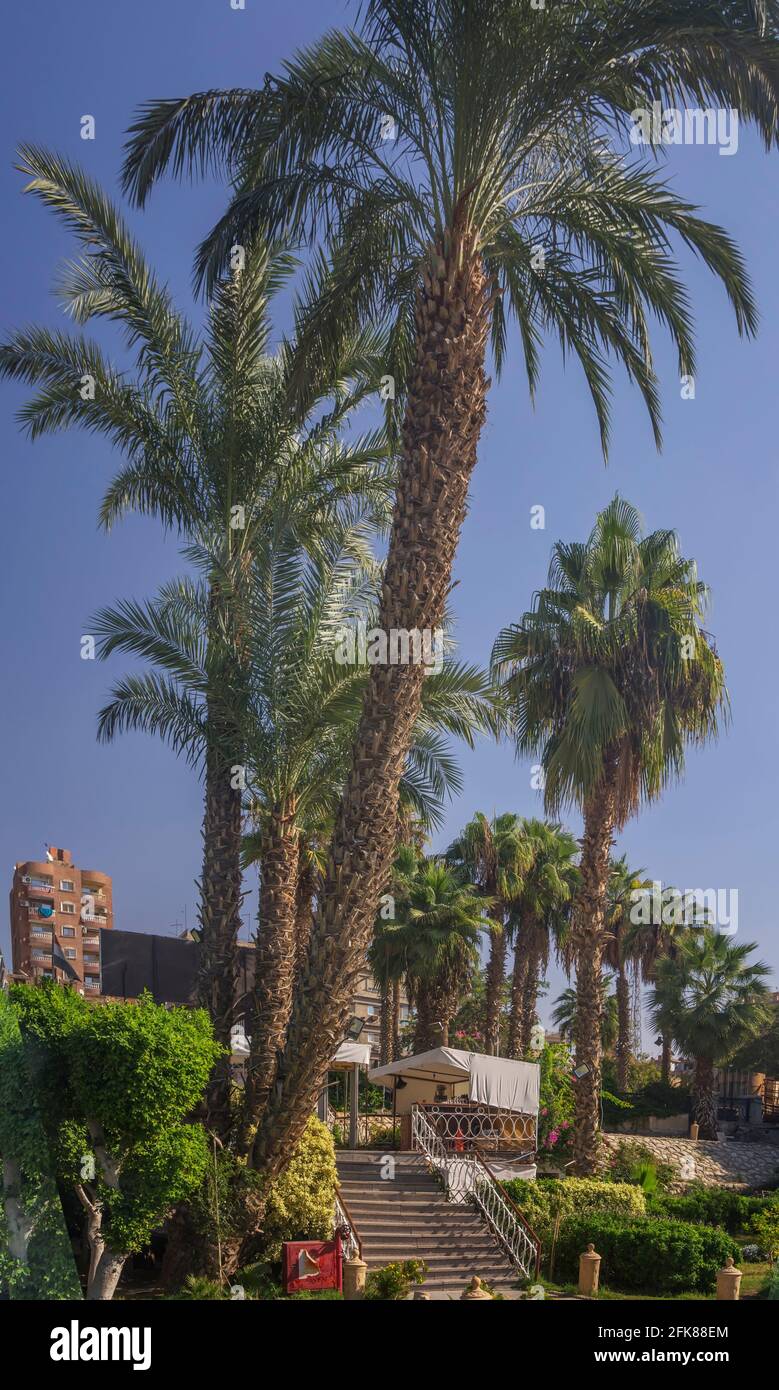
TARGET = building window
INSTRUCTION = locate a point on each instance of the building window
(68, 931)
(70, 952)
(92, 983)
(91, 960)
(41, 955)
(67, 885)
(68, 907)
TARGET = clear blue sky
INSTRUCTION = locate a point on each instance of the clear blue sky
(131, 809)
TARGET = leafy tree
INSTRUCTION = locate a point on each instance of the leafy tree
(114, 1083)
(711, 999)
(213, 446)
(540, 915)
(36, 1260)
(455, 158)
(493, 855)
(611, 674)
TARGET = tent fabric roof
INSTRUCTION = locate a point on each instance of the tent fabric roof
(495, 1081)
(351, 1054)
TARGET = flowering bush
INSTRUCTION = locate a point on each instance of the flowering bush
(541, 1202)
(555, 1118)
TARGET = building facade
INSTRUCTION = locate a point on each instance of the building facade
(57, 913)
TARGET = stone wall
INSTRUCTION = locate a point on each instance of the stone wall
(715, 1164)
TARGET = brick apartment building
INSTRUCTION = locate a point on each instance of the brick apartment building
(57, 913)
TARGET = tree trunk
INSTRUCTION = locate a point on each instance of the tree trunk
(445, 411)
(704, 1105)
(106, 1276)
(385, 1035)
(496, 971)
(19, 1225)
(432, 1023)
(274, 968)
(624, 1028)
(304, 910)
(530, 999)
(518, 982)
(220, 923)
(665, 1059)
(395, 1035)
(589, 919)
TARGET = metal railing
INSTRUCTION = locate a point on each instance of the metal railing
(467, 1178)
(344, 1222)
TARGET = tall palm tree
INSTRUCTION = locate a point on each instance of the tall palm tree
(454, 158)
(712, 1000)
(655, 932)
(294, 717)
(493, 855)
(618, 955)
(539, 916)
(612, 675)
(443, 922)
(565, 1015)
(212, 445)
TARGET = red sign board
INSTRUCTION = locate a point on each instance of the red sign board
(312, 1264)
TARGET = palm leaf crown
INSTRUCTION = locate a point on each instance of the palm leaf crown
(493, 118)
(613, 661)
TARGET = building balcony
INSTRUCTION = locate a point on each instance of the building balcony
(38, 885)
(99, 918)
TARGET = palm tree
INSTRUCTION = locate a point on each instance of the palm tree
(655, 931)
(612, 675)
(212, 446)
(565, 1015)
(443, 921)
(711, 1000)
(454, 157)
(539, 916)
(294, 717)
(618, 955)
(493, 855)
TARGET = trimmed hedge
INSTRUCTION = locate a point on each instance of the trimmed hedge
(645, 1254)
(540, 1201)
(712, 1206)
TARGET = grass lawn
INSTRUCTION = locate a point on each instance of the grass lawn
(754, 1280)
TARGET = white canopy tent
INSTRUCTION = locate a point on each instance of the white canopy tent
(349, 1057)
(497, 1082)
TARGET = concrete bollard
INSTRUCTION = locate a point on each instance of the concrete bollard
(589, 1271)
(474, 1290)
(694, 1132)
(728, 1283)
(354, 1272)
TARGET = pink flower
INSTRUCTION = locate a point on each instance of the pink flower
(566, 1124)
(553, 1137)
(545, 1111)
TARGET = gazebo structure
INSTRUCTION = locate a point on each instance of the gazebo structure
(456, 1105)
(350, 1057)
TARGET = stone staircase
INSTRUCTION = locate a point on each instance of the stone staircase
(407, 1217)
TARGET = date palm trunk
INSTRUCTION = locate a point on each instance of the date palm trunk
(395, 1034)
(704, 1105)
(304, 910)
(530, 998)
(220, 923)
(623, 1028)
(275, 958)
(496, 970)
(665, 1059)
(518, 982)
(445, 411)
(385, 1033)
(589, 944)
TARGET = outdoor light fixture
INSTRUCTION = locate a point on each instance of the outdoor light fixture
(355, 1028)
(580, 1072)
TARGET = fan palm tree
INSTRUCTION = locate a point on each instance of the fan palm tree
(294, 716)
(493, 855)
(454, 157)
(711, 999)
(565, 1015)
(612, 675)
(654, 931)
(618, 954)
(539, 916)
(211, 446)
(442, 926)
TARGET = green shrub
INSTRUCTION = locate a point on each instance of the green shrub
(634, 1162)
(301, 1202)
(646, 1254)
(772, 1288)
(200, 1289)
(394, 1281)
(656, 1098)
(541, 1201)
(712, 1206)
(765, 1225)
(383, 1137)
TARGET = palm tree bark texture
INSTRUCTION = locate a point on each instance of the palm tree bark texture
(220, 922)
(589, 927)
(496, 970)
(275, 958)
(519, 979)
(444, 414)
